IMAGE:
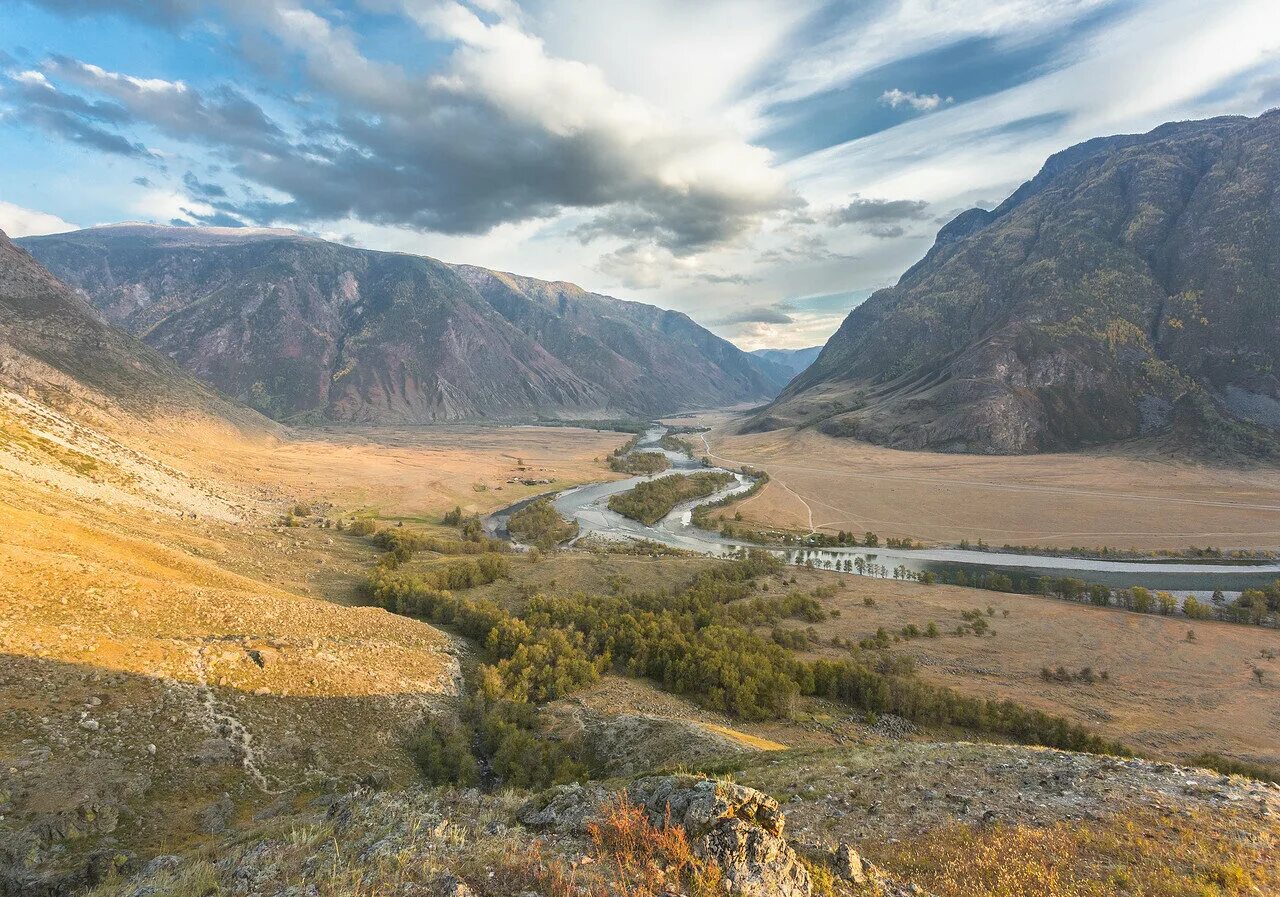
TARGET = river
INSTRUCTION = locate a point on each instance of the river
(588, 505)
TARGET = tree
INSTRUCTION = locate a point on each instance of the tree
(1167, 602)
(1142, 600)
(1196, 609)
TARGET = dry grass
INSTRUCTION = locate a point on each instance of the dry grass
(154, 594)
(421, 472)
(1138, 853)
(632, 857)
(1126, 497)
(1164, 694)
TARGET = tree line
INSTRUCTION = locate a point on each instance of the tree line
(696, 642)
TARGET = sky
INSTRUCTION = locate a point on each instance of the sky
(762, 165)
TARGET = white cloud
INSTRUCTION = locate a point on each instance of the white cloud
(19, 222)
(919, 102)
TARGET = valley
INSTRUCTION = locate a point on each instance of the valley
(1129, 497)
(334, 571)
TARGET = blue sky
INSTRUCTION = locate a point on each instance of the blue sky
(762, 165)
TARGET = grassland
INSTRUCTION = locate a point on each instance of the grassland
(1164, 694)
(1130, 496)
(166, 641)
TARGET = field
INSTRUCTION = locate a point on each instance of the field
(1164, 695)
(1128, 497)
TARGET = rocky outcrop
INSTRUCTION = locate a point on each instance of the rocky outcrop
(1129, 289)
(738, 829)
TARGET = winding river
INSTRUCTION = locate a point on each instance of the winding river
(588, 505)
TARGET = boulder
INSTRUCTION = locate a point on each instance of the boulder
(737, 828)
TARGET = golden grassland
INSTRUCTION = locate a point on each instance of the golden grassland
(1141, 852)
(1129, 496)
(163, 638)
(1164, 694)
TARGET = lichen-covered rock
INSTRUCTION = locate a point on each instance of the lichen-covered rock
(567, 811)
(737, 828)
(699, 804)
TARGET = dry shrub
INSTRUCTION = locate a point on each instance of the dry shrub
(630, 857)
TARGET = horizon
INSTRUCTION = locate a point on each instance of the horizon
(763, 173)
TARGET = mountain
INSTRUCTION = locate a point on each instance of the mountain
(54, 345)
(304, 329)
(1130, 288)
(794, 360)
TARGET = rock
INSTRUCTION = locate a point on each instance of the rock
(162, 863)
(698, 805)
(755, 863)
(449, 885)
(847, 864)
(568, 810)
(738, 828)
(215, 818)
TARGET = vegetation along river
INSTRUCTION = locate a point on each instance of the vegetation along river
(588, 505)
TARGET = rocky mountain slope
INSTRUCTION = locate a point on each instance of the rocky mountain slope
(304, 329)
(794, 360)
(55, 346)
(1130, 288)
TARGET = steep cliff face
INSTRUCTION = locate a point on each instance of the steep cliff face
(305, 329)
(1132, 287)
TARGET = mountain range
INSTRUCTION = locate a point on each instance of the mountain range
(1130, 288)
(306, 330)
(794, 360)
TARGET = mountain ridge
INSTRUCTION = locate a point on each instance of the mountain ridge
(306, 330)
(1127, 290)
(55, 344)
(794, 360)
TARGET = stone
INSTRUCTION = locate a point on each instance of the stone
(449, 885)
(847, 864)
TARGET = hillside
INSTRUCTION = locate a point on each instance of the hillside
(794, 360)
(307, 330)
(171, 652)
(55, 346)
(1129, 289)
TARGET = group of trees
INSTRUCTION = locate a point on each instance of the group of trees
(650, 501)
(674, 443)
(639, 463)
(539, 524)
(697, 642)
(1255, 606)
(1108, 552)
